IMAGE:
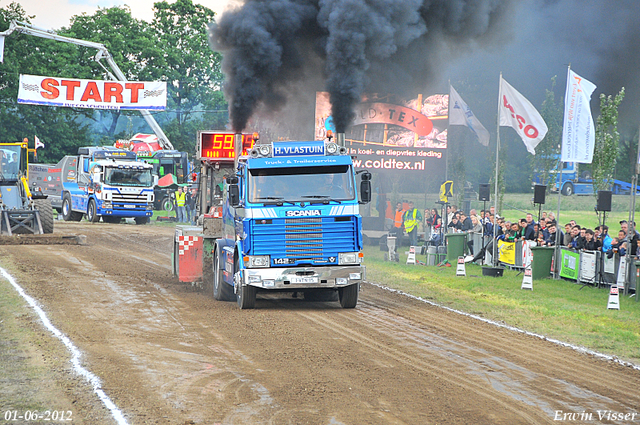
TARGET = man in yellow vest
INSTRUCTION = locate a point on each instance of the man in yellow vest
(181, 198)
(411, 218)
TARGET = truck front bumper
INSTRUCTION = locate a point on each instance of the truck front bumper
(302, 277)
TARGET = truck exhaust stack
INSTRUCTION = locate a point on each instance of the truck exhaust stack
(340, 139)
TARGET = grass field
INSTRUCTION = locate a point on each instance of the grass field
(555, 308)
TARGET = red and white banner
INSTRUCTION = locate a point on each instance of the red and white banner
(97, 94)
(517, 112)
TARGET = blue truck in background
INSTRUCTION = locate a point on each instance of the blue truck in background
(570, 181)
(100, 182)
(282, 217)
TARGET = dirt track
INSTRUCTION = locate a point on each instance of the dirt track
(168, 353)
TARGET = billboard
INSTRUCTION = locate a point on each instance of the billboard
(96, 94)
(392, 134)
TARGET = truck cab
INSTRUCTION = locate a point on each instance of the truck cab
(292, 223)
(107, 183)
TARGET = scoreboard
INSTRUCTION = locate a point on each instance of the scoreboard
(219, 146)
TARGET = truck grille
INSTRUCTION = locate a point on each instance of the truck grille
(128, 197)
(312, 239)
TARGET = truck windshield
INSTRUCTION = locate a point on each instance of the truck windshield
(297, 184)
(128, 177)
(10, 157)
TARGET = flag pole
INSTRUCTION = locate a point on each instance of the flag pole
(495, 198)
(559, 174)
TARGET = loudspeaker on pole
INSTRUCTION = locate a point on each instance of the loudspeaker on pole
(539, 193)
(484, 192)
(604, 200)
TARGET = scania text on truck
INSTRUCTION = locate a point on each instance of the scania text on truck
(291, 220)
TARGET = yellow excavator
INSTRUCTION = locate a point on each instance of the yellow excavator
(22, 211)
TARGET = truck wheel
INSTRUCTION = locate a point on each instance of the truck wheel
(67, 213)
(91, 212)
(567, 189)
(46, 214)
(141, 220)
(166, 204)
(221, 291)
(246, 295)
(349, 295)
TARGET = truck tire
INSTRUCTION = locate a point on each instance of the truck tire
(92, 215)
(67, 213)
(46, 214)
(246, 296)
(567, 189)
(141, 220)
(349, 295)
(166, 204)
(221, 291)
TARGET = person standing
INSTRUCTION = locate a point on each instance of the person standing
(397, 222)
(190, 202)
(410, 219)
(181, 199)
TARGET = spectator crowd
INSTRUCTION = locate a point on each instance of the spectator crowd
(545, 232)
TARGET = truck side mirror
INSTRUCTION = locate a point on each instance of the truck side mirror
(365, 188)
(234, 195)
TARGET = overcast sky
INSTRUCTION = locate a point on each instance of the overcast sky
(54, 14)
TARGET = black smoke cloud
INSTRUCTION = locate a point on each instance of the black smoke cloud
(363, 45)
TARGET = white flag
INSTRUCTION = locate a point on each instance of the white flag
(1, 48)
(460, 114)
(516, 111)
(39, 144)
(578, 131)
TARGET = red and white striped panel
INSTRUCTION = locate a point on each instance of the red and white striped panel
(185, 242)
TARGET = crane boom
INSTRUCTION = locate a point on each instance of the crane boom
(103, 53)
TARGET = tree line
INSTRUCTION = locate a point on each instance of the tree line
(173, 47)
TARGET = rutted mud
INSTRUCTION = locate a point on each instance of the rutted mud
(168, 353)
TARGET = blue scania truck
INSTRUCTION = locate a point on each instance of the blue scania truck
(289, 219)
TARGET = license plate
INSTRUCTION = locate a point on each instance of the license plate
(297, 279)
(129, 206)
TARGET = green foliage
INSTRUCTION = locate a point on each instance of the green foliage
(606, 144)
(58, 128)
(173, 48)
(547, 151)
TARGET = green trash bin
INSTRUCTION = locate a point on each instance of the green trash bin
(541, 262)
(456, 246)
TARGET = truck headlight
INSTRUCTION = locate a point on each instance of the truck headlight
(258, 261)
(348, 258)
(106, 204)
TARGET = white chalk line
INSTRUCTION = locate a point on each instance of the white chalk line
(76, 355)
(513, 328)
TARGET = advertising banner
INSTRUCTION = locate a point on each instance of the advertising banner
(392, 134)
(578, 131)
(569, 265)
(507, 252)
(96, 94)
(588, 266)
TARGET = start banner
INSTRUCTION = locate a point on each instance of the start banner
(96, 94)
